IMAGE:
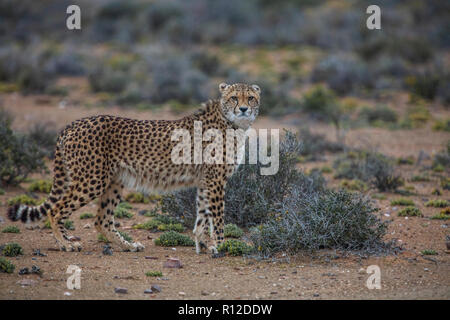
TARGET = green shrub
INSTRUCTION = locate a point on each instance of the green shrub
(402, 202)
(126, 236)
(429, 252)
(379, 196)
(12, 249)
(443, 215)
(420, 178)
(11, 229)
(436, 192)
(44, 136)
(410, 211)
(136, 197)
(442, 125)
(6, 266)
(371, 167)
(123, 211)
(326, 169)
(437, 203)
(378, 115)
(68, 224)
(408, 160)
(19, 156)
(102, 238)
(329, 219)
(86, 215)
(173, 239)
(44, 186)
(232, 231)
(354, 185)
(22, 199)
(235, 247)
(154, 274)
(161, 223)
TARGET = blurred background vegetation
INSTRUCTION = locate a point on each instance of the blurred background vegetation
(144, 54)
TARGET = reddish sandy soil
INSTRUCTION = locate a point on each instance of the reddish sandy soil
(326, 275)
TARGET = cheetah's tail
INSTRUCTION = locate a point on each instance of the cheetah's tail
(29, 214)
(26, 213)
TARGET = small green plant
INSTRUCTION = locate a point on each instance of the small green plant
(436, 192)
(68, 224)
(410, 212)
(402, 202)
(408, 160)
(442, 125)
(354, 185)
(429, 252)
(154, 274)
(137, 197)
(47, 224)
(22, 199)
(44, 186)
(420, 178)
(445, 183)
(2, 192)
(6, 266)
(438, 168)
(173, 238)
(379, 196)
(232, 231)
(86, 215)
(126, 236)
(235, 247)
(11, 229)
(102, 238)
(326, 169)
(443, 215)
(438, 203)
(161, 222)
(12, 249)
(123, 211)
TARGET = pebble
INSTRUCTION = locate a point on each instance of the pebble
(26, 282)
(261, 277)
(205, 293)
(151, 258)
(156, 288)
(107, 250)
(120, 290)
(181, 293)
(67, 293)
(173, 263)
(316, 295)
(148, 291)
(142, 212)
(87, 226)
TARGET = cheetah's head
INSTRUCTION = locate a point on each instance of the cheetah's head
(240, 103)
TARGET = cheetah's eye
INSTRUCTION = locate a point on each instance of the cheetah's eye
(251, 98)
(234, 98)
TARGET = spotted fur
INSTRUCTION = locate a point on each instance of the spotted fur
(97, 157)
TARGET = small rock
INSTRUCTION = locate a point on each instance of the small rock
(35, 269)
(2, 220)
(156, 288)
(107, 251)
(148, 291)
(316, 295)
(151, 258)
(273, 292)
(261, 277)
(24, 271)
(121, 290)
(426, 269)
(181, 293)
(204, 293)
(67, 293)
(173, 263)
(142, 212)
(26, 282)
(87, 226)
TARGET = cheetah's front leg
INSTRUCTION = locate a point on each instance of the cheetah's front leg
(210, 205)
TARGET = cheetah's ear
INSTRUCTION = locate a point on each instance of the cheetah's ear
(256, 88)
(223, 86)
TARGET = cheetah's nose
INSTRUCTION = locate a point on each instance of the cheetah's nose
(243, 109)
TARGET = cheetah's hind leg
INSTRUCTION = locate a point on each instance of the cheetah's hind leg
(105, 219)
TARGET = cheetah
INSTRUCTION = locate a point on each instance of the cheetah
(96, 157)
